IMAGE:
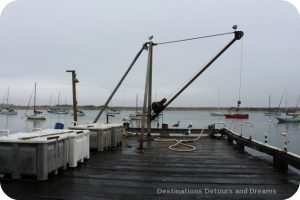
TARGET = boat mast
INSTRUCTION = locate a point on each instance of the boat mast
(136, 103)
(7, 97)
(34, 111)
(58, 101)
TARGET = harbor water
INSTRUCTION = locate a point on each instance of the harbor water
(258, 126)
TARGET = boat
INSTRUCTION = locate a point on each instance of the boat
(37, 115)
(51, 110)
(288, 119)
(270, 111)
(218, 113)
(58, 110)
(113, 112)
(79, 113)
(7, 110)
(236, 116)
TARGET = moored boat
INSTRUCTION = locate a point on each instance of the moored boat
(237, 116)
(217, 114)
(288, 119)
(37, 115)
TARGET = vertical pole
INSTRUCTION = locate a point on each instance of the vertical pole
(150, 56)
(34, 98)
(74, 81)
(146, 92)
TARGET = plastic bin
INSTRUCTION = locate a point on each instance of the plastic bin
(99, 135)
(116, 135)
(79, 147)
(42, 152)
(33, 154)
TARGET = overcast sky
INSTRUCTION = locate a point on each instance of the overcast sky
(41, 39)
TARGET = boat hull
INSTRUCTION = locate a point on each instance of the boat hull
(36, 117)
(287, 120)
(237, 116)
(216, 114)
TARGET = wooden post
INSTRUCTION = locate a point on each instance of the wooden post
(240, 146)
(74, 81)
(279, 164)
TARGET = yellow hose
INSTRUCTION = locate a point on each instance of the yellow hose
(180, 142)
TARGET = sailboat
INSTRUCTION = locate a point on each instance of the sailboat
(79, 113)
(289, 117)
(270, 112)
(37, 115)
(218, 113)
(58, 110)
(8, 110)
(112, 111)
(137, 115)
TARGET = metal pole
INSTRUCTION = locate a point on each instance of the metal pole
(141, 146)
(74, 81)
(118, 85)
(238, 36)
(150, 57)
(34, 99)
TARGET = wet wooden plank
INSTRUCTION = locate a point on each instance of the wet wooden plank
(215, 169)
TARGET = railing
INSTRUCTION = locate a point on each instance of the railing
(281, 157)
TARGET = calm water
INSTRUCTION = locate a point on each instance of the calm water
(200, 119)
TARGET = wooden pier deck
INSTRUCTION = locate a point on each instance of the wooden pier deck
(215, 170)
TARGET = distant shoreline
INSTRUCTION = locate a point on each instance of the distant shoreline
(129, 108)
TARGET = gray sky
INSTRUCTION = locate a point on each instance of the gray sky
(40, 39)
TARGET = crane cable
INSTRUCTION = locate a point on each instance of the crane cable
(180, 142)
(195, 38)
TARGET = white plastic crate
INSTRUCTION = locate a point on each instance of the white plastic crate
(37, 153)
(42, 152)
(79, 147)
(99, 135)
(116, 134)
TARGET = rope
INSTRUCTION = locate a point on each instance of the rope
(242, 47)
(195, 38)
(180, 142)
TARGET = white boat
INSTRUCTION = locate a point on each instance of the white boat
(8, 110)
(218, 113)
(79, 113)
(113, 112)
(58, 110)
(271, 112)
(37, 115)
(288, 119)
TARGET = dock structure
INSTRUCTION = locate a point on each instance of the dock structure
(215, 170)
